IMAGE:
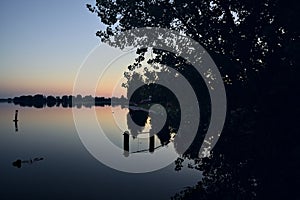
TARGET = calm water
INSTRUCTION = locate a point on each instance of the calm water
(54, 164)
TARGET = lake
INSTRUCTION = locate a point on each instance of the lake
(44, 158)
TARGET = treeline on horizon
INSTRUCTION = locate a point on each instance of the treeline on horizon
(66, 101)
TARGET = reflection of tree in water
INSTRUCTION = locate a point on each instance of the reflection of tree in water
(225, 176)
(243, 163)
(233, 170)
(139, 114)
(222, 179)
(138, 118)
(249, 161)
(230, 171)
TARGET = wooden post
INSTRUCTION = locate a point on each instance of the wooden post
(16, 121)
(126, 143)
(151, 144)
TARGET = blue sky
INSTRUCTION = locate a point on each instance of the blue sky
(43, 43)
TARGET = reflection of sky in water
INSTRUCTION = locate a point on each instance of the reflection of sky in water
(115, 121)
(68, 170)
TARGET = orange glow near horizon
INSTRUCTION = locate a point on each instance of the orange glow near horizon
(57, 86)
(101, 74)
(35, 86)
(111, 86)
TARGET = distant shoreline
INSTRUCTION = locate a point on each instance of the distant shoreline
(7, 100)
(41, 101)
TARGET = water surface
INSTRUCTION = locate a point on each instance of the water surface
(50, 161)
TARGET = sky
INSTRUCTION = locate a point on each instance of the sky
(43, 44)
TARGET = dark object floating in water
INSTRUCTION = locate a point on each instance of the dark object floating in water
(18, 163)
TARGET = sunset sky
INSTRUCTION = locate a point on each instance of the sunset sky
(43, 44)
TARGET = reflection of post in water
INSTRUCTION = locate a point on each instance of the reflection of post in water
(151, 144)
(16, 121)
(126, 143)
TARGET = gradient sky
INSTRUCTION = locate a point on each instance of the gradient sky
(43, 43)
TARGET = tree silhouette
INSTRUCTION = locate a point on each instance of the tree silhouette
(246, 39)
(255, 45)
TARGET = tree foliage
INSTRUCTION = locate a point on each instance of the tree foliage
(255, 45)
(245, 38)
